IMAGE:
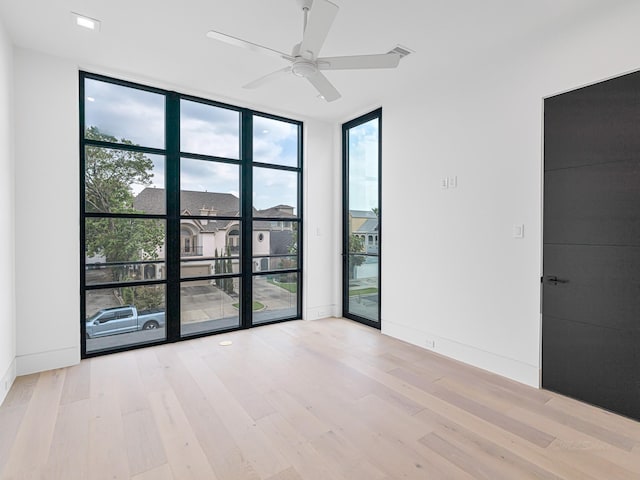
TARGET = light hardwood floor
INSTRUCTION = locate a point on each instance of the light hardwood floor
(326, 399)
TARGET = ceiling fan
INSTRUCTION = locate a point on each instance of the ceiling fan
(304, 59)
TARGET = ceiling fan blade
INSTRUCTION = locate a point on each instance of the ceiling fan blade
(268, 78)
(238, 42)
(324, 87)
(358, 62)
(321, 17)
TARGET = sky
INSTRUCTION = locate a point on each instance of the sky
(137, 115)
(363, 166)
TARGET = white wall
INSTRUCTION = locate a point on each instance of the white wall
(47, 211)
(472, 288)
(467, 284)
(321, 225)
(7, 294)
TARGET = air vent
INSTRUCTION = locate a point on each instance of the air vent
(400, 50)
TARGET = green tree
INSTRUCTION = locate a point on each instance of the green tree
(228, 267)
(110, 173)
(144, 298)
(291, 262)
(109, 177)
(293, 245)
(356, 245)
(216, 267)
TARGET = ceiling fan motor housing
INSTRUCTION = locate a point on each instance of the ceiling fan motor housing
(304, 68)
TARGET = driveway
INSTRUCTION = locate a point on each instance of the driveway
(204, 308)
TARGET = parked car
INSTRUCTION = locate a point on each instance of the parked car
(126, 318)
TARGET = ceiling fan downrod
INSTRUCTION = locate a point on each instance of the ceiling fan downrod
(305, 5)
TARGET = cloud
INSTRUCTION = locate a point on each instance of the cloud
(139, 116)
(275, 141)
(209, 130)
(124, 112)
(274, 187)
(363, 166)
(202, 175)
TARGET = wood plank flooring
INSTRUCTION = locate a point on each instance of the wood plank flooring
(325, 399)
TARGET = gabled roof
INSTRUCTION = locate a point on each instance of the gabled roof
(362, 214)
(152, 200)
(369, 226)
(274, 212)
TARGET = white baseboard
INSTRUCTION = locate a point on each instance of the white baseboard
(42, 361)
(506, 367)
(325, 311)
(6, 381)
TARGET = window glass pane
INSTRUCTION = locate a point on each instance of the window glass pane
(275, 193)
(275, 238)
(120, 114)
(124, 316)
(277, 296)
(121, 181)
(363, 167)
(275, 141)
(363, 286)
(209, 267)
(275, 245)
(209, 130)
(98, 272)
(209, 305)
(209, 188)
(361, 283)
(269, 264)
(110, 240)
(221, 262)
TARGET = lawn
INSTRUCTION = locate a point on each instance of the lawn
(363, 291)
(256, 306)
(290, 287)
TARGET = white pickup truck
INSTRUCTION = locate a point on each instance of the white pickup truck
(110, 321)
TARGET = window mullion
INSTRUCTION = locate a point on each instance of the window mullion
(246, 154)
(123, 265)
(173, 215)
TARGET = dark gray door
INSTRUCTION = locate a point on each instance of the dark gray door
(591, 282)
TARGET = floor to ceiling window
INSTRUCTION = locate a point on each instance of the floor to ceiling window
(361, 145)
(191, 216)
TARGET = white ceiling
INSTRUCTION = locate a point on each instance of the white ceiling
(163, 42)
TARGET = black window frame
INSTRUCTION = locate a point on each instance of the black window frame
(375, 114)
(172, 217)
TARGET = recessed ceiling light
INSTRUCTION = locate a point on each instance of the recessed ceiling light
(86, 22)
(321, 97)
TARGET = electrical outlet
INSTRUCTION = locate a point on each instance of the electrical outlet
(430, 343)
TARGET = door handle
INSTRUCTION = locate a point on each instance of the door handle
(553, 280)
